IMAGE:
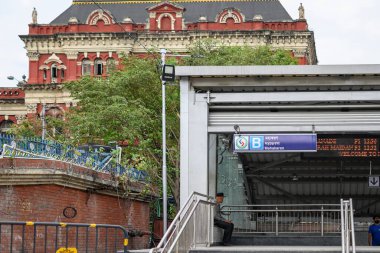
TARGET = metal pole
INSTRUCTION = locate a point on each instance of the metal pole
(43, 121)
(276, 221)
(352, 227)
(322, 220)
(164, 182)
(342, 226)
(346, 226)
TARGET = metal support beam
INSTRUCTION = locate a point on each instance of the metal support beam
(272, 164)
(367, 206)
(286, 193)
(301, 96)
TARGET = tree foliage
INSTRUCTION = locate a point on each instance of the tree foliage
(127, 106)
(208, 53)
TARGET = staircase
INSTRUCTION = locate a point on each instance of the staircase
(280, 249)
(291, 228)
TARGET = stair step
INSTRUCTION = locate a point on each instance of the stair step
(281, 249)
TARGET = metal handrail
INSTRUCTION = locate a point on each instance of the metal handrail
(277, 210)
(283, 205)
(163, 243)
(347, 226)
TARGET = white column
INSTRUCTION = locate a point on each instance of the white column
(194, 143)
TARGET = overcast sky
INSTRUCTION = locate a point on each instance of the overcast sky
(346, 31)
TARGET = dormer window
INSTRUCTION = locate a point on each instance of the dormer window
(54, 71)
(230, 16)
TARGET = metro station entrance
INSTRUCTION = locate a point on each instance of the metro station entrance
(340, 105)
(280, 194)
(344, 166)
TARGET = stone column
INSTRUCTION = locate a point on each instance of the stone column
(71, 66)
(33, 67)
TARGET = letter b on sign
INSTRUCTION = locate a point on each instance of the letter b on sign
(256, 143)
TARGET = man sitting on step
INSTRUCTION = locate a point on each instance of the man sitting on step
(221, 222)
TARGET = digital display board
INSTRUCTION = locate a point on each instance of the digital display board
(348, 146)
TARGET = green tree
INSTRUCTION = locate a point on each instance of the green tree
(207, 53)
(127, 106)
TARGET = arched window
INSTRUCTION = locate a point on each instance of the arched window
(45, 74)
(166, 24)
(62, 74)
(86, 67)
(111, 65)
(54, 71)
(98, 67)
(5, 125)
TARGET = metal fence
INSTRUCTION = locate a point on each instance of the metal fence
(318, 220)
(96, 159)
(45, 237)
(192, 226)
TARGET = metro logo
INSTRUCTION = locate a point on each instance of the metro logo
(256, 143)
(241, 143)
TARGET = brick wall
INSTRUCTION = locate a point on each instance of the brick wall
(35, 200)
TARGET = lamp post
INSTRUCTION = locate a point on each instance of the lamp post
(43, 121)
(164, 172)
(18, 81)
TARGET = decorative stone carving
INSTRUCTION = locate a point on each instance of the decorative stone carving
(20, 118)
(44, 67)
(230, 13)
(73, 21)
(53, 58)
(127, 20)
(299, 53)
(97, 15)
(33, 56)
(34, 16)
(202, 19)
(301, 11)
(258, 18)
(31, 108)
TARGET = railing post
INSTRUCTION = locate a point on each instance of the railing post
(208, 225)
(194, 227)
(352, 227)
(347, 234)
(276, 221)
(342, 227)
(322, 220)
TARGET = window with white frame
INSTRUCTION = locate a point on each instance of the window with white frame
(86, 67)
(98, 67)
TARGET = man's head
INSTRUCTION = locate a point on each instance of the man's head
(376, 219)
(219, 197)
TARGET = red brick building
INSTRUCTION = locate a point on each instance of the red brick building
(90, 37)
(40, 190)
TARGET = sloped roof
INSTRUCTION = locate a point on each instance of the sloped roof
(270, 10)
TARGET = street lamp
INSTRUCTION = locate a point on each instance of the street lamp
(18, 81)
(164, 179)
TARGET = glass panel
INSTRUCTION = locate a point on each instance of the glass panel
(86, 67)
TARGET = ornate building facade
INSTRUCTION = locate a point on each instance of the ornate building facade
(90, 37)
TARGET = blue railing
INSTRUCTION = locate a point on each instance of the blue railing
(96, 159)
